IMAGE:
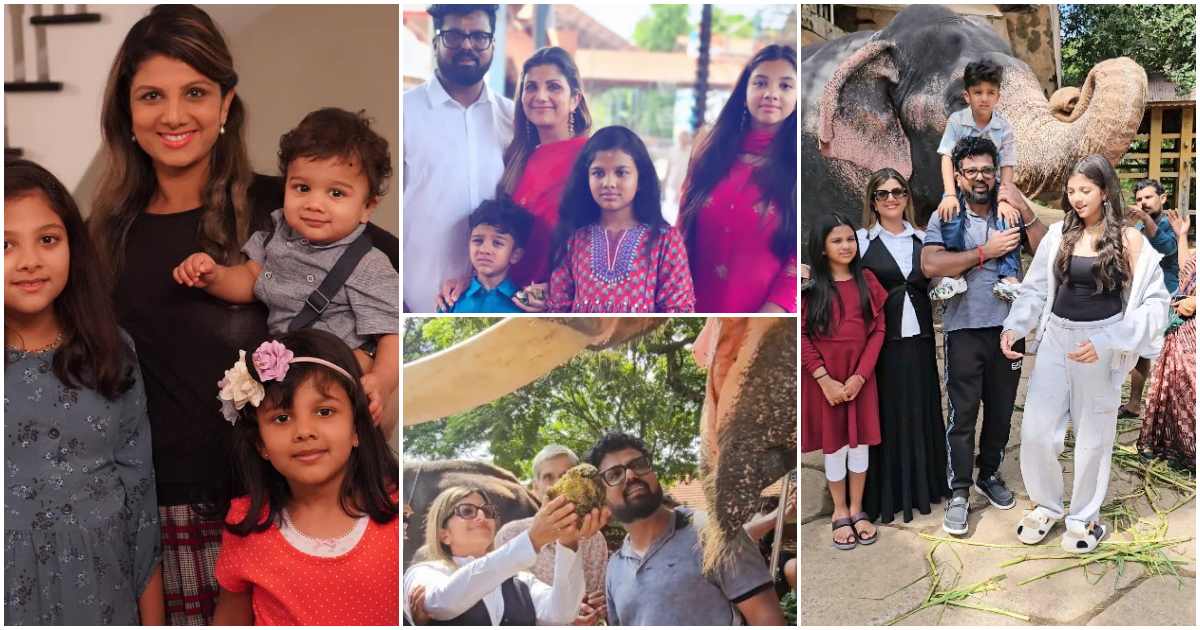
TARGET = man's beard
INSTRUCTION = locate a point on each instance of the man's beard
(639, 508)
(980, 198)
(463, 75)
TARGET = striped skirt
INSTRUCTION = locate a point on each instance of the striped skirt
(190, 545)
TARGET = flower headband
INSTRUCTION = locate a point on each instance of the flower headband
(271, 360)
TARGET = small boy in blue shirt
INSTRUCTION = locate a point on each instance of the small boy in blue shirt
(981, 91)
(499, 230)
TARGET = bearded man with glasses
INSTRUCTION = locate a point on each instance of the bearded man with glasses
(655, 579)
(973, 246)
(455, 131)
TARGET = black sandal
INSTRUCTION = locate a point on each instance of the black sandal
(850, 544)
(854, 520)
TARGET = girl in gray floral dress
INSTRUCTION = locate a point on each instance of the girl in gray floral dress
(81, 537)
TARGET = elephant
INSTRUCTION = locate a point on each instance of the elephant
(423, 481)
(871, 100)
(748, 425)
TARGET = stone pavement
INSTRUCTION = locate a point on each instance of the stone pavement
(872, 585)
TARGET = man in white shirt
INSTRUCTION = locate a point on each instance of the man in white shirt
(455, 131)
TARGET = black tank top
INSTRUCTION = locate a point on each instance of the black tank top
(1077, 299)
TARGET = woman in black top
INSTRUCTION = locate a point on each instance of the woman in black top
(908, 468)
(179, 181)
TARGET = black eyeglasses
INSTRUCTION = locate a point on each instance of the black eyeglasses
(616, 474)
(454, 38)
(467, 511)
(895, 193)
(972, 173)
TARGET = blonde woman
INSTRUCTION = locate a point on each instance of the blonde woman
(465, 580)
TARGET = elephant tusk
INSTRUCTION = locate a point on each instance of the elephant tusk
(497, 361)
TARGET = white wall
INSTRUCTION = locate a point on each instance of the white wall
(61, 130)
(290, 60)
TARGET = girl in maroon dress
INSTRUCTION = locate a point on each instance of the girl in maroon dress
(613, 252)
(842, 311)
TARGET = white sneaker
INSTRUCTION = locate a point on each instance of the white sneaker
(948, 288)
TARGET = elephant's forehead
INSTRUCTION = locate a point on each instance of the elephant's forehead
(925, 108)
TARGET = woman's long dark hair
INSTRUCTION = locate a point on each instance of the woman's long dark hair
(525, 138)
(716, 155)
(822, 295)
(579, 209)
(1111, 269)
(92, 354)
(372, 472)
(186, 33)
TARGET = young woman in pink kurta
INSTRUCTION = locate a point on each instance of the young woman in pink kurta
(613, 252)
(739, 210)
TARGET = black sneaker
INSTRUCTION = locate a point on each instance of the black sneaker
(997, 494)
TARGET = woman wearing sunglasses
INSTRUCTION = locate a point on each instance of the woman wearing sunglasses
(467, 582)
(908, 467)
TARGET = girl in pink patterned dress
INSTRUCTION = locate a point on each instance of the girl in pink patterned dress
(613, 252)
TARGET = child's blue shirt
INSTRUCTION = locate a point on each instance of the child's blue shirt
(478, 299)
(961, 124)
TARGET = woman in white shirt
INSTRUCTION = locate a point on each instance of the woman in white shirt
(908, 468)
(1095, 296)
(465, 581)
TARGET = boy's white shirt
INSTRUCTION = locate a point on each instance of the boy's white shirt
(449, 594)
(1143, 322)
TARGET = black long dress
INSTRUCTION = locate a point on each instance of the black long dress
(908, 467)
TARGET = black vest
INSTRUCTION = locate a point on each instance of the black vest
(518, 609)
(879, 260)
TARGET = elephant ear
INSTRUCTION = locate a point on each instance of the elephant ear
(858, 122)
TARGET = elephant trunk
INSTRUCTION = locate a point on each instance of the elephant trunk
(1104, 120)
(748, 427)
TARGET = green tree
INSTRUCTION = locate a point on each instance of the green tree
(1159, 37)
(649, 110)
(650, 387)
(660, 31)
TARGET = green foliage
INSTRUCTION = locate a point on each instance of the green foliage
(1159, 37)
(788, 603)
(660, 31)
(650, 111)
(649, 387)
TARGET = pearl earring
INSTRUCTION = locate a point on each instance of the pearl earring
(222, 130)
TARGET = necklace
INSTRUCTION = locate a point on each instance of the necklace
(22, 352)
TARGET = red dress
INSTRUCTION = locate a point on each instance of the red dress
(289, 587)
(539, 191)
(613, 273)
(733, 266)
(849, 349)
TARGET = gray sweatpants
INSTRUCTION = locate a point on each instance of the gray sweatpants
(1087, 394)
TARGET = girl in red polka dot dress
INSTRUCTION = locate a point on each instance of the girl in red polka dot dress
(315, 540)
(613, 252)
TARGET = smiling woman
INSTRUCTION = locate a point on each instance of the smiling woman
(179, 181)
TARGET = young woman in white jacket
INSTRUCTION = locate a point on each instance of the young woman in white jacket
(1096, 297)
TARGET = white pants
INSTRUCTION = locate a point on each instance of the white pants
(1087, 394)
(855, 459)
